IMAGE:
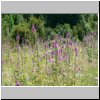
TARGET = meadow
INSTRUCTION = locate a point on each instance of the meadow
(60, 61)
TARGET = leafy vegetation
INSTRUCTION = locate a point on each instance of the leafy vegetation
(49, 50)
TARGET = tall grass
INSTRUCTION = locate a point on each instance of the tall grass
(57, 62)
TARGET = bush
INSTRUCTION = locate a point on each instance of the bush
(60, 29)
(39, 25)
(88, 24)
(63, 29)
(22, 29)
(7, 23)
(50, 33)
(78, 30)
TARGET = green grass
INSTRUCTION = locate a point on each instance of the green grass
(61, 74)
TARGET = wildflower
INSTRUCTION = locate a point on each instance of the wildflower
(60, 58)
(3, 62)
(57, 52)
(18, 47)
(52, 53)
(33, 29)
(17, 83)
(64, 46)
(17, 65)
(54, 44)
(66, 58)
(50, 60)
(17, 37)
(76, 51)
(45, 45)
(94, 34)
(70, 43)
(68, 35)
(60, 51)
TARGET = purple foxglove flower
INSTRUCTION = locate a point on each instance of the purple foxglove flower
(66, 58)
(52, 53)
(3, 62)
(17, 65)
(68, 35)
(45, 45)
(70, 43)
(17, 37)
(76, 51)
(60, 58)
(95, 34)
(59, 51)
(50, 60)
(54, 44)
(33, 29)
(67, 42)
(62, 47)
(17, 83)
(56, 52)
(18, 47)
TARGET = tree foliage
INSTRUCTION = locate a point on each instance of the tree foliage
(48, 25)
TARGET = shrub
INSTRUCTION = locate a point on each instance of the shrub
(39, 25)
(63, 29)
(22, 29)
(7, 23)
(78, 30)
(49, 33)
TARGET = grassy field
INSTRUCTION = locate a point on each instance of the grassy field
(59, 62)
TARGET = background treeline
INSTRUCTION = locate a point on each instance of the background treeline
(47, 25)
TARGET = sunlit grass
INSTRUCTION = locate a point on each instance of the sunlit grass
(56, 74)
